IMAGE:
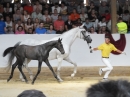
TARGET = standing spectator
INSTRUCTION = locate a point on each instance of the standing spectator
(36, 14)
(88, 24)
(59, 24)
(20, 30)
(68, 24)
(56, 6)
(2, 25)
(121, 26)
(92, 30)
(37, 5)
(83, 16)
(28, 8)
(29, 24)
(25, 16)
(54, 16)
(40, 29)
(19, 23)
(9, 7)
(74, 16)
(18, 6)
(9, 23)
(36, 23)
(46, 15)
(103, 8)
(17, 16)
(51, 30)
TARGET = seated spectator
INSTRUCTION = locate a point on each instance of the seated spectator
(51, 30)
(18, 6)
(46, 15)
(56, 6)
(92, 30)
(46, 7)
(79, 22)
(81, 8)
(30, 31)
(25, 16)
(9, 30)
(68, 24)
(36, 14)
(88, 24)
(102, 23)
(83, 16)
(54, 15)
(107, 16)
(74, 16)
(19, 23)
(40, 29)
(29, 24)
(2, 25)
(28, 8)
(9, 23)
(37, 5)
(9, 7)
(47, 23)
(17, 16)
(20, 30)
(58, 24)
(71, 6)
(7, 13)
(121, 26)
(103, 30)
(36, 23)
(61, 30)
(63, 8)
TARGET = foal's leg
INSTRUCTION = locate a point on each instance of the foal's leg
(75, 66)
(39, 70)
(12, 71)
(48, 64)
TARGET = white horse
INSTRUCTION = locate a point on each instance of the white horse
(67, 40)
(20, 1)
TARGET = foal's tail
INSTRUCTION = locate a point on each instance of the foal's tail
(10, 51)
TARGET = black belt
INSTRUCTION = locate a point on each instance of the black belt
(105, 57)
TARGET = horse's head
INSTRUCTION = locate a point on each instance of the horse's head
(59, 46)
(83, 34)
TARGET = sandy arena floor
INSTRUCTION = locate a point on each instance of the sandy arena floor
(75, 87)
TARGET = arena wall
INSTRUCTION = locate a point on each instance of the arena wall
(80, 52)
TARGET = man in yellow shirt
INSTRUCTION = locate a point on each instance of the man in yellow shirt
(106, 49)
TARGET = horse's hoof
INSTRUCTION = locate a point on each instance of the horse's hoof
(31, 77)
(23, 80)
(26, 82)
(7, 80)
(60, 80)
(72, 75)
(32, 83)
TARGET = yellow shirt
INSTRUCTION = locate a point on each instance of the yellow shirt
(106, 49)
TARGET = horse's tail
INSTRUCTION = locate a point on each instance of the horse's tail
(10, 51)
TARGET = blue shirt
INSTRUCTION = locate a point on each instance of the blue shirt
(52, 32)
(2, 26)
(40, 30)
(89, 25)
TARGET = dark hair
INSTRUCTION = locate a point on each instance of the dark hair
(126, 11)
(41, 22)
(106, 11)
(1, 17)
(30, 22)
(19, 27)
(120, 18)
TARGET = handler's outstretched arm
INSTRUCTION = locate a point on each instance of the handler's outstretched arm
(94, 49)
(121, 52)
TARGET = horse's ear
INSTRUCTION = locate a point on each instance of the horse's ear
(82, 25)
(61, 39)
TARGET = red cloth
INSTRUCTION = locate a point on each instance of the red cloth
(119, 44)
(107, 17)
(29, 9)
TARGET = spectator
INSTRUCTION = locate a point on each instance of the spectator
(29, 24)
(1, 9)
(121, 26)
(30, 31)
(88, 24)
(40, 29)
(47, 23)
(9, 30)
(47, 7)
(61, 30)
(53, 1)
(68, 24)
(7, 13)
(63, 8)
(51, 30)
(92, 30)
(81, 8)
(74, 16)
(126, 17)
(102, 23)
(71, 7)
(54, 16)
(19, 23)
(36, 23)
(9, 7)
(18, 6)
(59, 24)
(20, 30)
(9, 24)
(36, 14)
(103, 8)
(79, 22)
(2, 25)
(25, 16)
(56, 6)
(107, 16)
(28, 8)
(126, 6)
(83, 16)
(37, 5)
(17, 16)
(46, 15)
(103, 30)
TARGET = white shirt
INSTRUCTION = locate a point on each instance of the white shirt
(58, 9)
